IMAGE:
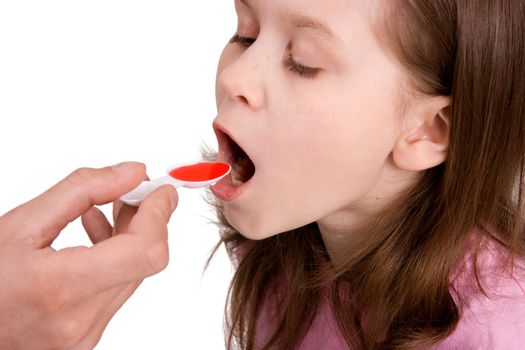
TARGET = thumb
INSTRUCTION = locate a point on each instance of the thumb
(130, 256)
(40, 220)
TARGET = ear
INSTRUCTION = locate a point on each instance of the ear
(423, 145)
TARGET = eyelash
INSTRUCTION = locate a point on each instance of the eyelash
(301, 70)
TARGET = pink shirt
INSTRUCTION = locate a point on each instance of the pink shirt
(495, 323)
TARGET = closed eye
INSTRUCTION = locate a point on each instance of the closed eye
(290, 63)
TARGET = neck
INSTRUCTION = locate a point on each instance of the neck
(342, 231)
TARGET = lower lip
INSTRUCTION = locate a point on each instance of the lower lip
(226, 191)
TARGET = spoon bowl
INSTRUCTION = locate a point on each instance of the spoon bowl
(190, 175)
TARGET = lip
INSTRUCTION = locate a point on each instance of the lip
(224, 189)
(225, 150)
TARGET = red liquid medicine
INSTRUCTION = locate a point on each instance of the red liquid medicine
(200, 172)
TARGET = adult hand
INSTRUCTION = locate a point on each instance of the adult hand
(64, 299)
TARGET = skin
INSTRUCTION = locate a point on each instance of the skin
(65, 299)
(332, 149)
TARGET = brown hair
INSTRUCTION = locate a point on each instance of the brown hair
(394, 291)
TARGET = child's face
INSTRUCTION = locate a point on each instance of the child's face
(320, 144)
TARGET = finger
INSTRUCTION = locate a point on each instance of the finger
(96, 225)
(155, 212)
(124, 217)
(117, 205)
(42, 218)
(129, 256)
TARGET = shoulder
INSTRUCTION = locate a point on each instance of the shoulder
(493, 319)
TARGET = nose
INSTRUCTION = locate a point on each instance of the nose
(242, 79)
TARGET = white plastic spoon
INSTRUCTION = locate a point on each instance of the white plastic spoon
(194, 175)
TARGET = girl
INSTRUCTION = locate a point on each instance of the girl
(376, 200)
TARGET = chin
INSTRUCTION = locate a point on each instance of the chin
(256, 228)
(255, 233)
(250, 227)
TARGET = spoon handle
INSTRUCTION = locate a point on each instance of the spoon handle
(137, 195)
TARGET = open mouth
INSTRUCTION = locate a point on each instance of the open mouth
(243, 168)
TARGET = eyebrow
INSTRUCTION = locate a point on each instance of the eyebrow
(300, 21)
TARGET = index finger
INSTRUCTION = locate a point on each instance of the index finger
(42, 218)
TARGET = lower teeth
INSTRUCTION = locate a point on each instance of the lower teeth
(236, 182)
(241, 165)
(236, 176)
(236, 173)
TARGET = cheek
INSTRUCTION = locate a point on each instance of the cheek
(333, 137)
(331, 157)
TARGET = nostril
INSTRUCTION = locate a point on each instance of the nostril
(243, 99)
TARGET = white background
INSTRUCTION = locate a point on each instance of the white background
(93, 83)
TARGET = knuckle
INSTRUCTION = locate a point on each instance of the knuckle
(80, 176)
(157, 257)
(43, 232)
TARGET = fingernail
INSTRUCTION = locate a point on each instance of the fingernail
(124, 166)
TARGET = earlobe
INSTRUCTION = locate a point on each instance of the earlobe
(424, 145)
